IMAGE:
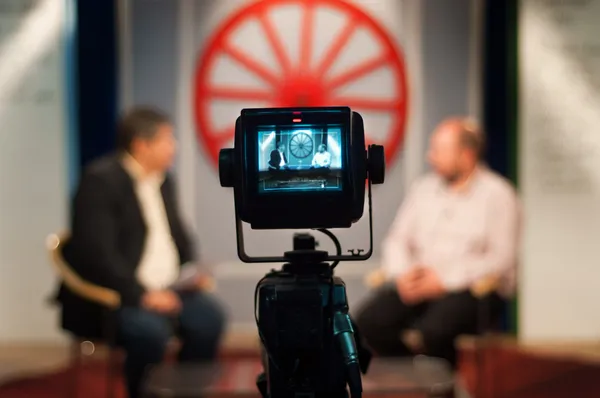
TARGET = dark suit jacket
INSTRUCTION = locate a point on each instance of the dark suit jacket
(107, 239)
(276, 158)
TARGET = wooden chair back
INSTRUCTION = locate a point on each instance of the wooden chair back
(98, 294)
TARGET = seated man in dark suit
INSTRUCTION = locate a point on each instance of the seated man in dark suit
(278, 159)
(127, 235)
(274, 161)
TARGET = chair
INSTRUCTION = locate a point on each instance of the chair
(110, 301)
(481, 289)
(106, 298)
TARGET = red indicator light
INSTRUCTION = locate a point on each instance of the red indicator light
(296, 120)
(295, 113)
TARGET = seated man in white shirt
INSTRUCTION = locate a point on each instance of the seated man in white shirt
(321, 159)
(457, 226)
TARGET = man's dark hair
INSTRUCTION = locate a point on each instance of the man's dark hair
(139, 123)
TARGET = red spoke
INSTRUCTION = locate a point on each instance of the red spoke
(334, 50)
(306, 36)
(250, 63)
(368, 104)
(358, 71)
(223, 136)
(275, 42)
(237, 93)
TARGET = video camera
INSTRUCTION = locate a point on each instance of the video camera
(304, 168)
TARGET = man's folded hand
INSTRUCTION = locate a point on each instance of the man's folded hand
(420, 284)
(429, 285)
(162, 301)
(407, 285)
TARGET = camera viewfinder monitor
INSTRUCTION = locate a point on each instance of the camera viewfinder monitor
(300, 167)
(300, 157)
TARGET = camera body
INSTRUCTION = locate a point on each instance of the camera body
(303, 168)
(295, 319)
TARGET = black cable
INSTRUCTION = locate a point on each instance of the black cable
(338, 249)
(260, 334)
(343, 331)
(336, 242)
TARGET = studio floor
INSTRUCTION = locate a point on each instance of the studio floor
(496, 368)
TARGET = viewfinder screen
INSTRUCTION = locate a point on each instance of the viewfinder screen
(300, 158)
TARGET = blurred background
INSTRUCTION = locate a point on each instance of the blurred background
(527, 70)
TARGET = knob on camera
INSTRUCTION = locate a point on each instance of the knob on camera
(226, 167)
(376, 164)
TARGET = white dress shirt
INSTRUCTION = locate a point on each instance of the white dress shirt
(321, 159)
(159, 264)
(282, 162)
(464, 235)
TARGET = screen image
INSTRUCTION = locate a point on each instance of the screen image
(300, 158)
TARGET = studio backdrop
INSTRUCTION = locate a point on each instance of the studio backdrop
(404, 65)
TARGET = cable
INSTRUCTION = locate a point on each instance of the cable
(336, 242)
(338, 249)
(260, 334)
(343, 331)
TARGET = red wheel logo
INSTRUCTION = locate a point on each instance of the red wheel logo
(310, 80)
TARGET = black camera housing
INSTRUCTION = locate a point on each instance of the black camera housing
(238, 168)
(294, 315)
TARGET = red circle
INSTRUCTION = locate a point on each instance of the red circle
(307, 90)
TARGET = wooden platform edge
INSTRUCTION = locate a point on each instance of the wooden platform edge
(246, 341)
(580, 350)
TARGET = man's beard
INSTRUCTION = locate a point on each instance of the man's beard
(453, 177)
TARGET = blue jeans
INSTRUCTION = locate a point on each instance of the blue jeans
(144, 335)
